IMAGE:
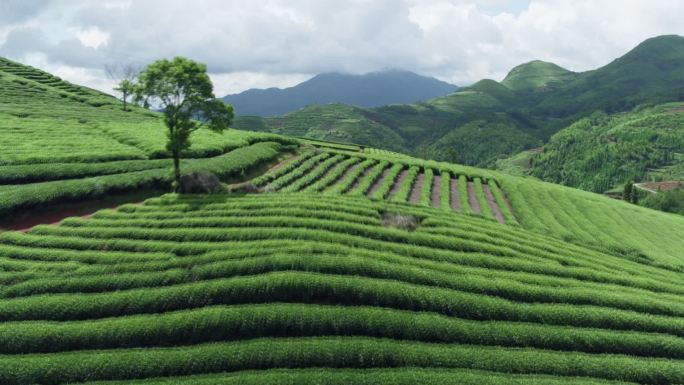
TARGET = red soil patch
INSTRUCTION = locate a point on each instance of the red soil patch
(472, 199)
(496, 210)
(54, 214)
(455, 197)
(417, 187)
(282, 163)
(361, 177)
(378, 182)
(397, 183)
(342, 177)
(676, 110)
(436, 185)
(661, 186)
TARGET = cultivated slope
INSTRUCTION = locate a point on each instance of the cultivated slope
(60, 141)
(267, 286)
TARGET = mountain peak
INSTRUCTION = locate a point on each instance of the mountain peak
(373, 89)
(536, 74)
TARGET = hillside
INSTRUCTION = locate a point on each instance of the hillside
(502, 119)
(368, 90)
(358, 268)
(63, 142)
(328, 263)
(603, 151)
(537, 75)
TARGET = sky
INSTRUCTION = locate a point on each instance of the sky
(273, 43)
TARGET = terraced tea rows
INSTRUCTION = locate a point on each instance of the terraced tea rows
(274, 284)
(391, 179)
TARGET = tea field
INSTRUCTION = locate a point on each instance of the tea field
(343, 265)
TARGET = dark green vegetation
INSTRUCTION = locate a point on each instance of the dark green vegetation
(602, 151)
(369, 90)
(671, 201)
(62, 142)
(489, 120)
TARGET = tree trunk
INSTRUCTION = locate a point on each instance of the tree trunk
(125, 96)
(176, 172)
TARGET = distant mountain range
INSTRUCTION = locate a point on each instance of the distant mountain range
(369, 90)
(490, 120)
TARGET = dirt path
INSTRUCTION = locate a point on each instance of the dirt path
(378, 182)
(282, 163)
(54, 214)
(342, 177)
(436, 186)
(455, 197)
(361, 177)
(496, 210)
(397, 184)
(472, 199)
(417, 187)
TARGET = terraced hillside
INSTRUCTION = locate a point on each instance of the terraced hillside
(60, 141)
(350, 265)
(278, 284)
(390, 177)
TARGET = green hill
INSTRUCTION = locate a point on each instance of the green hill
(342, 265)
(488, 121)
(603, 151)
(537, 75)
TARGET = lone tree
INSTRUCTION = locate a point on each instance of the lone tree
(124, 75)
(182, 89)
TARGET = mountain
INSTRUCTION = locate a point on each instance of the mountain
(369, 90)
(602, 152)
(537, 75)
(489, 121)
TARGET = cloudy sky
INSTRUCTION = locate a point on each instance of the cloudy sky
(265, 43)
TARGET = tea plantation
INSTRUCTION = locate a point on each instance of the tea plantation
(344, 265)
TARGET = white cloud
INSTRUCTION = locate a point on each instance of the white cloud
(262, 43)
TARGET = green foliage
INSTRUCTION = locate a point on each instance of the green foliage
(671, 201)
(600, 152)
(181, 88)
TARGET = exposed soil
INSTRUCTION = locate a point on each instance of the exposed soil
(54, 214)
(282, 163)
(676, 110)
(472, 199)
(361, 177)
(417, 187)
(654, 187)
(344, 175)
(397, 183)
(496, 210)
(455, 197)
(536, 150)
(436, 186)
(378, 182)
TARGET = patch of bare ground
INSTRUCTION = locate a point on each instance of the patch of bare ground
(283, 162)
(400, 221)
(344, 176)
(54, 214)
(361, 177)
(677, 110)
(416, 188)
(436, 185)
(660, 186)
(378, 182)
(397, 183)
(472, 199)
(496, 210)
(455, 198)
